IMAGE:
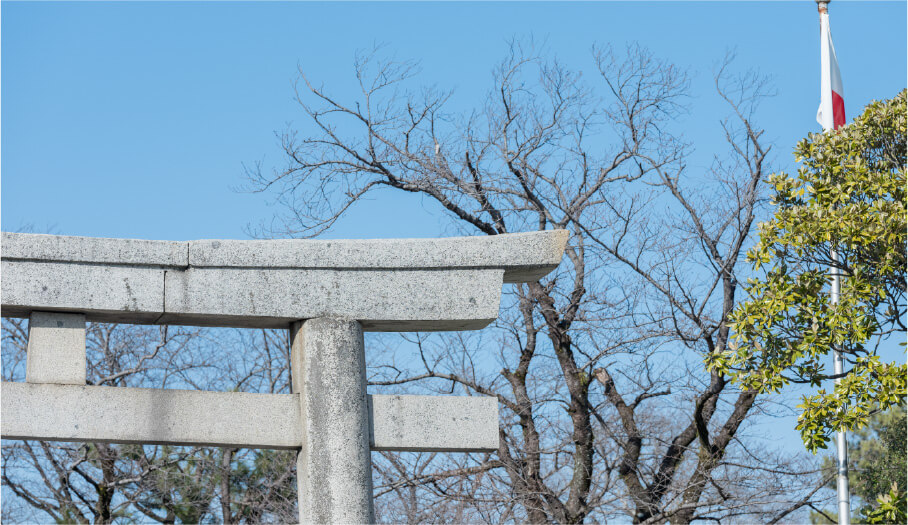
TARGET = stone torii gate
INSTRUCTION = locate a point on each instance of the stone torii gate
(325, 292)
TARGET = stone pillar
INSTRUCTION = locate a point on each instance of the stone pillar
(56, 348)
(334, 467)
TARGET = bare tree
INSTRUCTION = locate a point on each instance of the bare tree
(651, 273)
(690, 277)
(608, 412)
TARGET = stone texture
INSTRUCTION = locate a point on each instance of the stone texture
(523, 256)
(334, 466)
(56, 348)
(388, 285)
(102, 292)
(54, 412)
(379, 299)
(39, 247)
(437, 423)
(152, 416)
(330, 290)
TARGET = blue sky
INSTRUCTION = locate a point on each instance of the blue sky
(135, 119)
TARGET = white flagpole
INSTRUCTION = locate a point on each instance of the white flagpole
(840, 443)
(844, 504)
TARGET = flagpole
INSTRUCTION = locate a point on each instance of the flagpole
(844, 504)
(841, 444)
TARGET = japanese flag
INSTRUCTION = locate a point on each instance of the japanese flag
(831, 114)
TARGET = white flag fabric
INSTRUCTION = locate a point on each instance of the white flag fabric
(831, 114)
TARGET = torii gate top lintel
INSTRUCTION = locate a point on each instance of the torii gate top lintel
(385, 284)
